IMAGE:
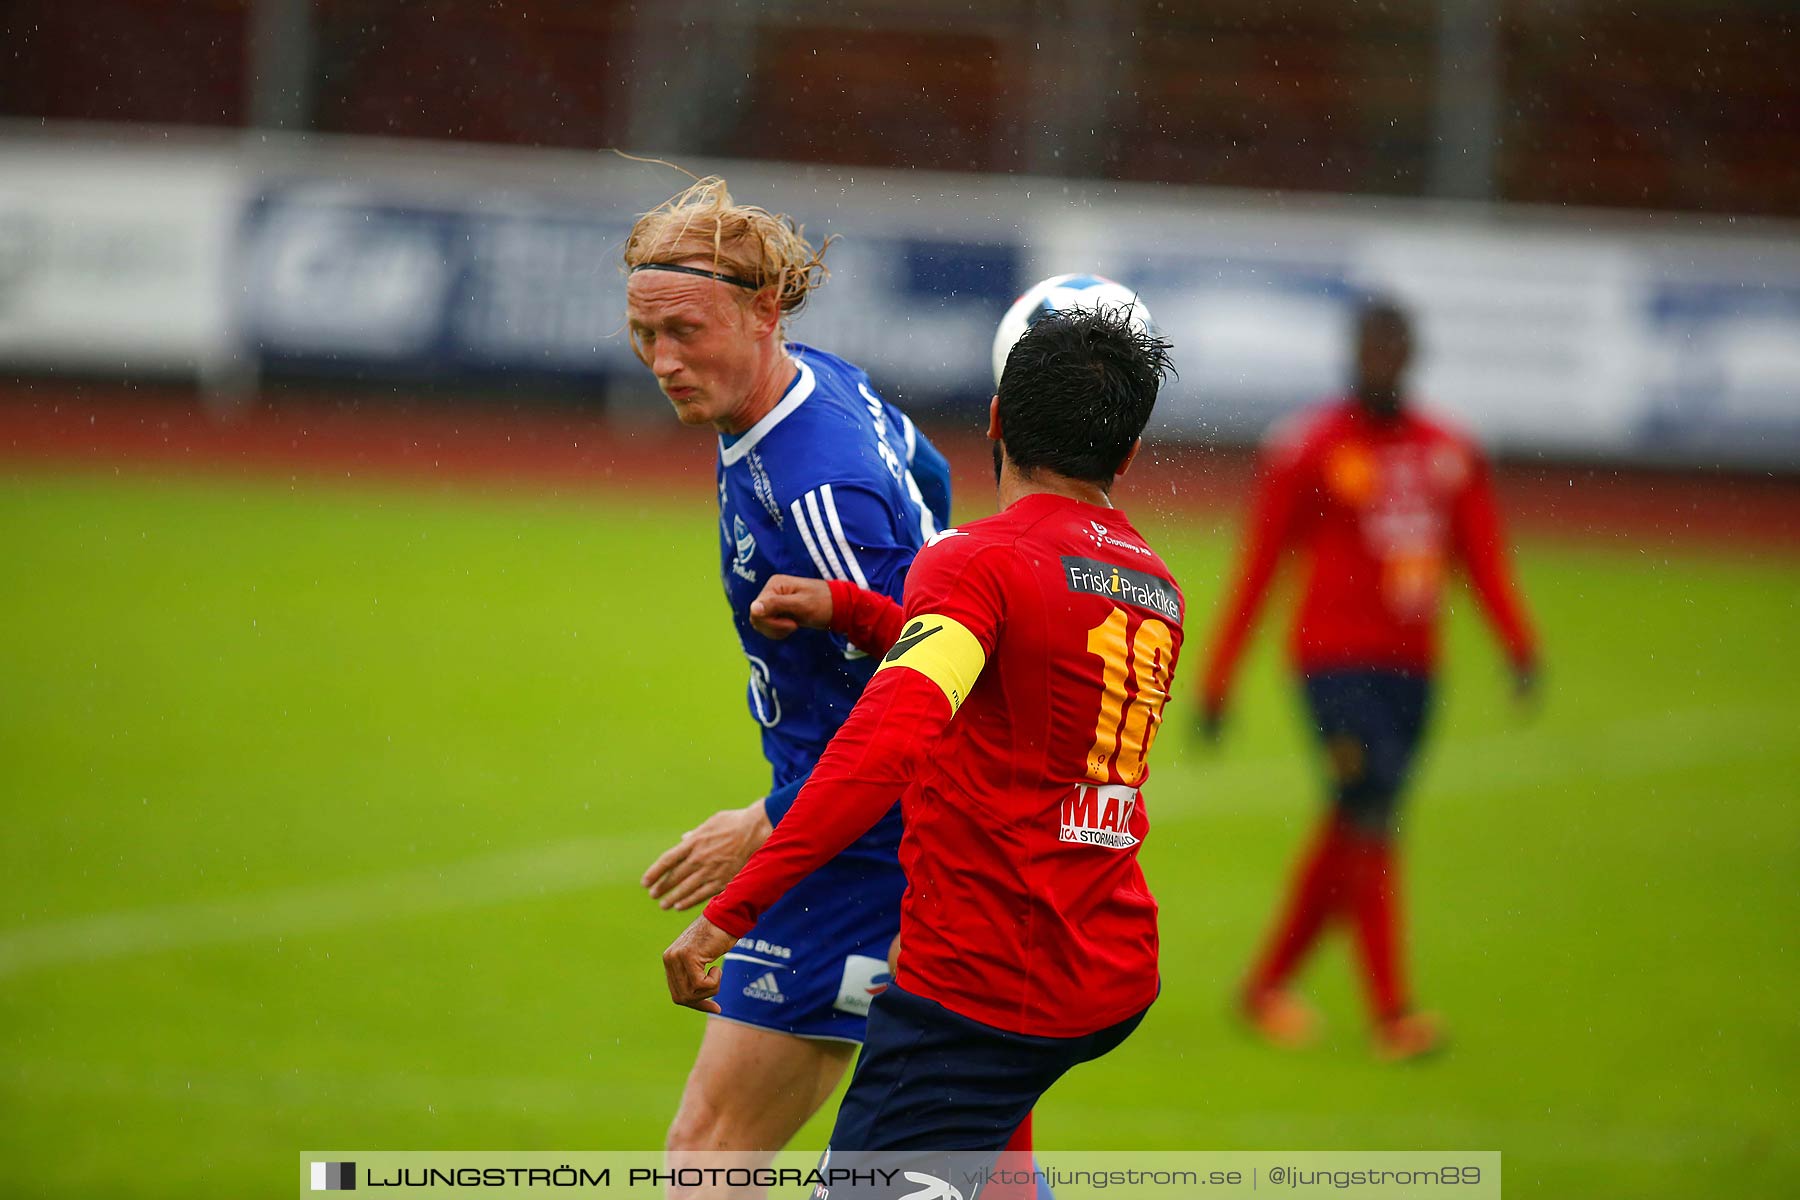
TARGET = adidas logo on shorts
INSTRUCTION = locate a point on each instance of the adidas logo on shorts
(765, 989)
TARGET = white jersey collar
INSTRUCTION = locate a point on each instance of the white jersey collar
(798, 391)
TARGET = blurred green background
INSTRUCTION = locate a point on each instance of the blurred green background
(325, 809)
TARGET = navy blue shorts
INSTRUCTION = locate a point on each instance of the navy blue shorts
(1371, 723)
(818, 956)
(934, 1088)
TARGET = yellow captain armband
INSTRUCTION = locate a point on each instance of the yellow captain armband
(944, 651)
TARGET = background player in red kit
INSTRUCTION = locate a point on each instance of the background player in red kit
(1014, 712)
(1381, 500)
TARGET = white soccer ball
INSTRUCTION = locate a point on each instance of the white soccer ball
(1060, 293)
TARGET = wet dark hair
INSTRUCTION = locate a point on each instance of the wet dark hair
(1077, 392)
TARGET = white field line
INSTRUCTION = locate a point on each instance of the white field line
(1471, 766)
(1499, 762)
(547, 870)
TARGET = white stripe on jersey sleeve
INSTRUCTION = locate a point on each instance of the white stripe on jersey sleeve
(927, 523)
(912, 437)
(818, 529)
(807, 537)
(843, 543)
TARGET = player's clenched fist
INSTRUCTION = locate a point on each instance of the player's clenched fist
(789, 602)
(689, 965)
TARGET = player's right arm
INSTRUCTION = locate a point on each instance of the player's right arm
(953, 617)
(1281, 472)
(869, 620)
(1475, 524)
(850, 534)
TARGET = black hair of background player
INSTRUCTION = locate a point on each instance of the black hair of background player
(1384, 352)
(1077, 391)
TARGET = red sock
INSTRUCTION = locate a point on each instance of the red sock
(1375, 902)
(1316, 894)
(1021, 1138)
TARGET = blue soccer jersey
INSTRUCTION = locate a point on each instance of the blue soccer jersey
(833, 483)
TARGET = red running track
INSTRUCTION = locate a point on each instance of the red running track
(61, 425)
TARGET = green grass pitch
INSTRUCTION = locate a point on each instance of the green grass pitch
(324, 809)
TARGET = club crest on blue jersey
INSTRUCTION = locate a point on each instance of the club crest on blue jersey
(745, 541)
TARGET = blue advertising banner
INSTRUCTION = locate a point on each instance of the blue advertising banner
(1537, 338)
(338, 283)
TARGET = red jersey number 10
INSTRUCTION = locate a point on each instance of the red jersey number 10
(1127, 725)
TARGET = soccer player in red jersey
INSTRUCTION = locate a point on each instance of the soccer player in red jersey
(1012, 716)
(1381, 501)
